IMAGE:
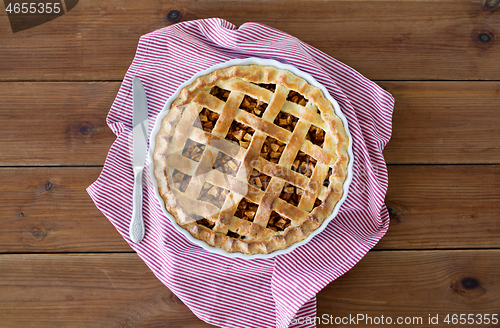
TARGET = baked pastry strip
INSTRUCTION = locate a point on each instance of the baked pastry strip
(185, 123)
(312, 190)
(276, 185)
(249, 89)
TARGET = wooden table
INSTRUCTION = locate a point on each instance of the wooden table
(62, 264)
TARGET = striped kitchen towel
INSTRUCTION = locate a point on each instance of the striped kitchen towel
(276, 292)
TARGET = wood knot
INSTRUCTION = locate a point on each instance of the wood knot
(491, 4)
(392, 211)
(172, 300)
(48, 186)
(470, 283)
(174, 16)
(485, 37)
(177, 300)
(465, 286)
(87, 129)
(37, 234)
(393, 214)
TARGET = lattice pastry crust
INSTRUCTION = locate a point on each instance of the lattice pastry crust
(251, 159)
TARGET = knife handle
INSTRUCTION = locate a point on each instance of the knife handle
(137, 224)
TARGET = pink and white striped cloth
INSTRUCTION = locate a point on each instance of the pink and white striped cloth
(277, 292)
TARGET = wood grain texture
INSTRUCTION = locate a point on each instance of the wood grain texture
(444, 123)
(432, 207)
(48, 210)
(382, 39)
(416, 283)
(86, 290)
(55, 123)
(456, 206)
(118, 290)
(46, 123)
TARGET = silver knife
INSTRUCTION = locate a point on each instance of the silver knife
(140, 141)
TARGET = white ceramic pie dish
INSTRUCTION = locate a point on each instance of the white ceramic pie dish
(250, 61)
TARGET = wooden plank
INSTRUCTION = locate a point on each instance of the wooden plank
(55, 123)
(432, 207)
(413, 40)
(64, 123)
(48, 210)
(416, 283)
(444, 122)
(85, 290)
(443, 207)
(111, 290)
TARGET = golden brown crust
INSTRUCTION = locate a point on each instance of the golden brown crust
(331, 157)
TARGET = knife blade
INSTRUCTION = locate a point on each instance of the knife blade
(139, 146)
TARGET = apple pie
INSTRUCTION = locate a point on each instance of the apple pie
(251, 159)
